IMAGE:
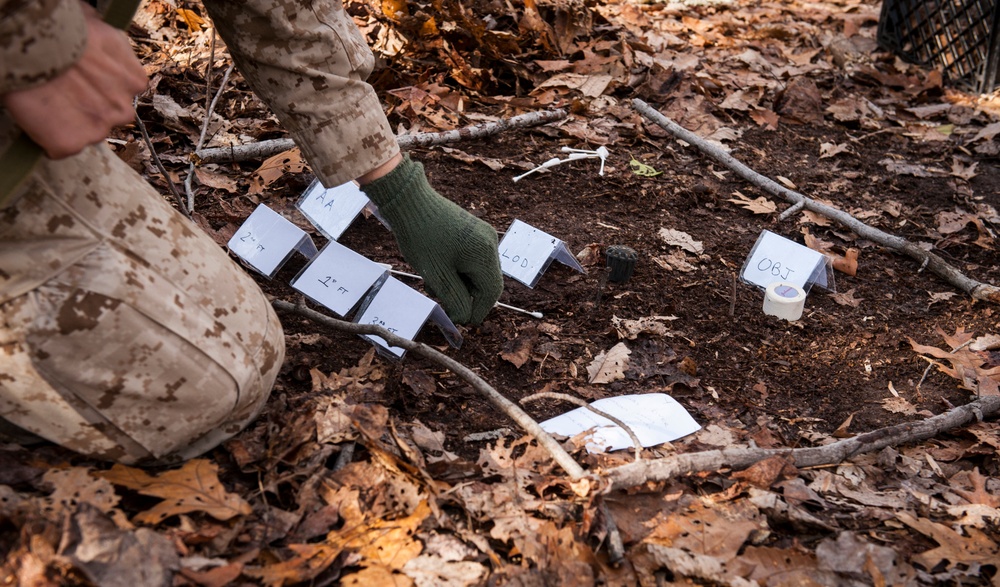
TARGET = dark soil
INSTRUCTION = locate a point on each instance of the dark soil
(725, 360)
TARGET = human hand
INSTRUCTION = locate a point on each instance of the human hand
(455, 252)
(81, 105)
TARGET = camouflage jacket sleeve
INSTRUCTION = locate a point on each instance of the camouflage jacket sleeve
(308, 61)
(39, 39)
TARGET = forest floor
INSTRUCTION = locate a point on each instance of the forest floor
(362, 470)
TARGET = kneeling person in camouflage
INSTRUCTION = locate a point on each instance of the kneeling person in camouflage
(126, 334)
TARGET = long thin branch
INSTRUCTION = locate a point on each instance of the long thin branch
(204, 128)
(156, 159)
(944, 270)
(264, 149)
(561, 457)
(634, 474)
(636, 443)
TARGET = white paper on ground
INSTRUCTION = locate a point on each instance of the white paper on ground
(332, 210)
(267, 239)
(775, 258)
(526, 252)
(655, 418)
(337, 278)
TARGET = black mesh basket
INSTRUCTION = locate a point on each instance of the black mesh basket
(957, 36)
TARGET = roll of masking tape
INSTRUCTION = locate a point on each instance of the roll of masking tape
(784, 300)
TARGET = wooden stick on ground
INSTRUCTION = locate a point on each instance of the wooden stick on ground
(944, 270)
(634, 474)
(559, 455)
(209, 109)
(265, 149)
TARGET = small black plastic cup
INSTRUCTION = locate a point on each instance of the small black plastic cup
(621, 261)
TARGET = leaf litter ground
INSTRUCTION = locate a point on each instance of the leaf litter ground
(362, 471)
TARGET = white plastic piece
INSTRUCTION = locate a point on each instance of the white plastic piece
(603, 153)
(784, 300)
(550, 163)
(516, 309)
(389, 268)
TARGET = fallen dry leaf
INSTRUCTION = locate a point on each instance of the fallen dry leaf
(195, 487)
(191, 18)
(899, 405)
(274, 168)
(952, 222)
(308, 561)
(518, 351)
(609, 366)
(954, 548)
(841, 431)
(630, 329)
(985, 343)
(778, 566)
(847, 298)
(846, 263)
(717, 530)
(492, 163)
(764, 474)
(431, 571)
(590, 255)
(759, 206)
(681, 239)
(112, 557)
(963, 171)
(916, 170)
(675, 261)
(978, 495)
(765, 118)
(966, 365)
(76, 485)
(832, 150)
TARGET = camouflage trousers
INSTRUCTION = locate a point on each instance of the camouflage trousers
(126, 333)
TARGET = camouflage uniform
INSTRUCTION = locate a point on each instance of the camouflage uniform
(126, 333)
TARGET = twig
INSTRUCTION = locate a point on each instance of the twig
(732, 301)
(488, 435)
(559, 455)
(636, 443)
(602, 281)
(978, 290)
(345, 456)
(204, 128)
(264, 149)
(156, 160)
(204, 124)
(634, 474)
(791, 211)
(616, 548)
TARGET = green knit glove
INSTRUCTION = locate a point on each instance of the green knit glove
(455, 252)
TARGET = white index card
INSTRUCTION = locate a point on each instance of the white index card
(337, 278)
(332, 210)
(267, 239)
(398, 308)
(655, 418)
(775, 258)
(526, 252)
